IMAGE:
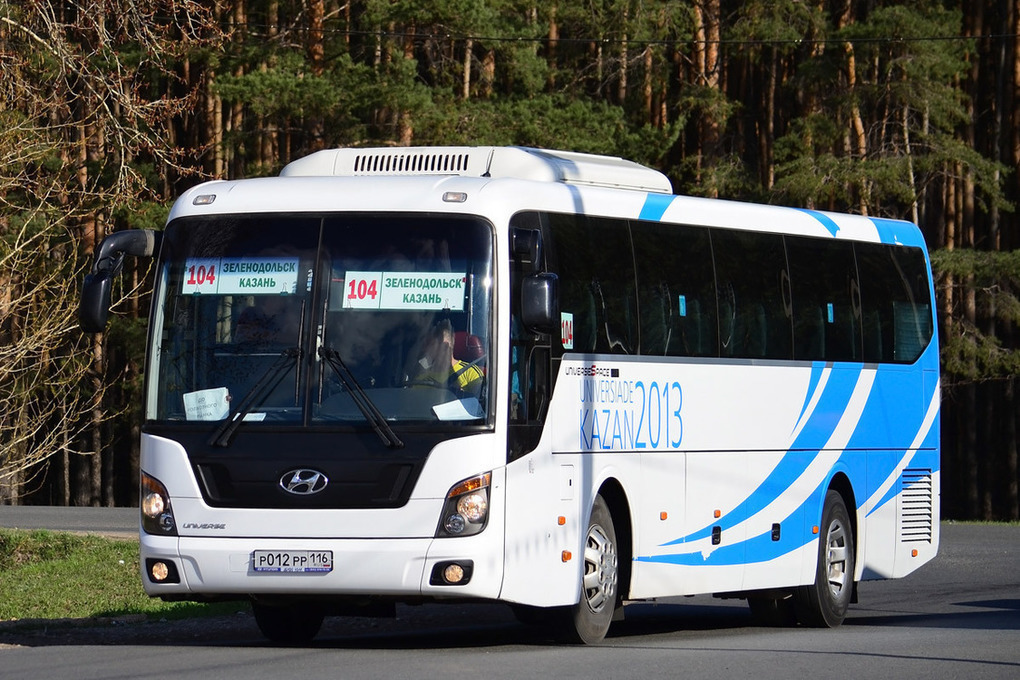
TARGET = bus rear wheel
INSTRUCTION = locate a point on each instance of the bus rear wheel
(600, 581)
(824, 603)
(288, 623)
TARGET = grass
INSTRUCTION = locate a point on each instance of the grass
(55, 575)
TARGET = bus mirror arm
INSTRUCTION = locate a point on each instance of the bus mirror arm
(540, 302)
(94, 308)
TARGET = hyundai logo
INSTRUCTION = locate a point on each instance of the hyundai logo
(302, 482)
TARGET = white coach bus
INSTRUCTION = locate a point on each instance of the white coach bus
(527, 376)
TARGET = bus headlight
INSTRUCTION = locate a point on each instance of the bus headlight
(157, 515)
(474, 506)
(466, 510)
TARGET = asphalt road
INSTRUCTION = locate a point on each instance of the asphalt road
(958, 617)
(105, 521)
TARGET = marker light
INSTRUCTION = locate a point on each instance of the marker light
(204, 199)
(454, 197)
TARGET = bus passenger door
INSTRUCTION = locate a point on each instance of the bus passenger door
(543, 495)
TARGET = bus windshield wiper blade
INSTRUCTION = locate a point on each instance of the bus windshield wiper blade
(364, 403)
(225, 432)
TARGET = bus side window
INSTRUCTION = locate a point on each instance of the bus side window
(894, 299)
(676, 289)
(826, 317)
(753, 308)
(593, 258)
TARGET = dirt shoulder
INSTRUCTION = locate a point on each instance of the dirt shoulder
(127, 630)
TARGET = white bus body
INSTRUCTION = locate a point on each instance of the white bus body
(774, 438)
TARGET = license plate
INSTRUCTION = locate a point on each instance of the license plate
(297, 561)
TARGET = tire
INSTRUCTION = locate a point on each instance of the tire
(592, 615)
(773, 612)
(288, 624)
(824, 603)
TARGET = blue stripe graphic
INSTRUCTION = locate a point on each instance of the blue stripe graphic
(655, 207)
(897, 232)
(895, 406)
(816, 375)
(826, 221)
(809, 442)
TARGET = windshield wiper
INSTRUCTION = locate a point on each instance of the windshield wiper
(225, 432)
(364, 403)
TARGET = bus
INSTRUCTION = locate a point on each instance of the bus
(535, 377)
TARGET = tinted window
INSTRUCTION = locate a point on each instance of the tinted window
(676, 290)
(826, 302)
(753, 288)
(895, 302)
(594, 261)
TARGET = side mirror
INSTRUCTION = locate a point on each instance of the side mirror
(540, 302)
(94, 308)
(95, 301)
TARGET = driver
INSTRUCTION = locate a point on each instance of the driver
(441, 367)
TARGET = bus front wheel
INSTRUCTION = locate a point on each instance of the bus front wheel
(600, 582)
(824, 603)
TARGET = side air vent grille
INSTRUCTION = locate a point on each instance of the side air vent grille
(916, 506)
(410, 163)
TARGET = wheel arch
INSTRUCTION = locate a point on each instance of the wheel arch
(840, 483)
(619, 508)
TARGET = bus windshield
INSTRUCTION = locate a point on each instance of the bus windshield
(347, 321)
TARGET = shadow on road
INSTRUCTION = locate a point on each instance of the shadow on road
(461, 626)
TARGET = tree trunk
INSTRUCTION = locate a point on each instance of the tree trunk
(621, 86)
(707, 33)
(1012, 473)
(646, 90)
(317, 63)
(551, 45)
(488, 76)
(465, 91)
(406, 125)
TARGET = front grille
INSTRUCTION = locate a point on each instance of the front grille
(916, 506)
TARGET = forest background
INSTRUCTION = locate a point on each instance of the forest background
(109, 108)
